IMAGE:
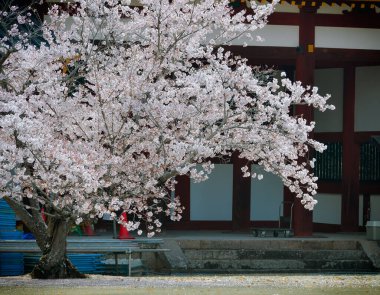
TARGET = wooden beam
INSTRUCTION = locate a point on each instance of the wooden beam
(371, 188)
(201, 225)
(324, 57)
(305, 65)
(182, 190)
(365, 136)
(339, 57)
(329, 187)
(351, 154)
(241, 194)
(354, 20)
(265, 55)
(327, 137)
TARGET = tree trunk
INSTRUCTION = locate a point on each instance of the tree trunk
(50, 238)
(54, 263)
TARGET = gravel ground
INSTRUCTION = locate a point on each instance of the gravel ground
(205, 281)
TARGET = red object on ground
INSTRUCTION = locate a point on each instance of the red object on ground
(124, 233)
(43, 214)
(88, 230)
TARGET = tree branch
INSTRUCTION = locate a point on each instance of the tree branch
(36, 226)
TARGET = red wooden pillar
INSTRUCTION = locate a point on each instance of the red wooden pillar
(241, 194)
(351, 154)
(305, 65)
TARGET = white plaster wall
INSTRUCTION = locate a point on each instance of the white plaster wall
(328, 209)
(330, 81)
(272, 35)
(350, 38)
(367, 98)
(375, 207)
(212, 199)
(266, 195)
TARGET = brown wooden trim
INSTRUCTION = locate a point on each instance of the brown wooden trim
(326, 137)
(218, 225)
(182, 190)
(348, 20)
(265, 55)
(329, 187)
(288, 197)
(351, 154)
(305, 65)
(359, 136)
(241, 193)
(340, 57)
(264, 223)
(324, 57)
(284, 18)
(371, 188)
(362, 137)
(328, 20)
(200, 225)
(326, 227)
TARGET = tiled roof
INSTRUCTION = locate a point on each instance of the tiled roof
(352, 3)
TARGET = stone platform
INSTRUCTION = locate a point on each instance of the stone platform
(241, 252)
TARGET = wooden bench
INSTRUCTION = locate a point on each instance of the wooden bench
(91, 245)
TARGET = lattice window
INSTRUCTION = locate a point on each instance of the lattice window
(328, 165)
(369, 162)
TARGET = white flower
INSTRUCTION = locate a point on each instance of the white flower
(109, 127)
(21, 19)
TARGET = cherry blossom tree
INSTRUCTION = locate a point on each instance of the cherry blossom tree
(117, 101)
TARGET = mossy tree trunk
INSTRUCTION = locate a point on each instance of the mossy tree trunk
(54, 263)
(51, 239)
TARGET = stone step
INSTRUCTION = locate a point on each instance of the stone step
(259, 244)
(340, 265)
(245, 264)
(275, 271)
(269, 255)
(334, 255)
(275, 254)
(280, 265)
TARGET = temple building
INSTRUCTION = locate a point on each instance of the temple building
(334, 45)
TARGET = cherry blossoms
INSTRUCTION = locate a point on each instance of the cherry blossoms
(116, 101)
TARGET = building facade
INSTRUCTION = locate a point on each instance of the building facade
(334, 45)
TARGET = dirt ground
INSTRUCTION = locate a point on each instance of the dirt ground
(196, 284)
